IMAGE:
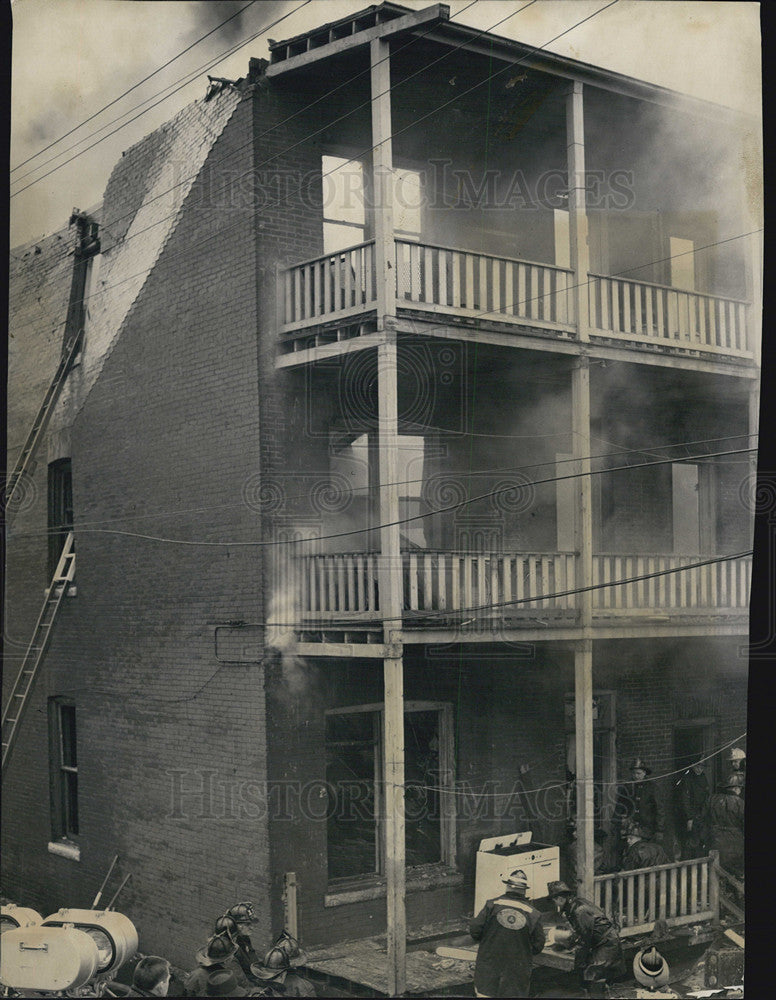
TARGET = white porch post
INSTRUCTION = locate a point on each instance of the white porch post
(390, 576)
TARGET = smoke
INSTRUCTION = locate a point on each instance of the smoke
(299, 678)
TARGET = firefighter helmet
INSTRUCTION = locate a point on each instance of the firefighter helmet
(558, 889)
(639, 765)
(226, 925)
(650, 968)
(242, 913)
(275, 965)
(737, 754)
(515, 879)
(218, 948)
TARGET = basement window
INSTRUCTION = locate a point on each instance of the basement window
(63, 769)
(356, 782)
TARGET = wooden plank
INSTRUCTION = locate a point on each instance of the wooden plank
(507, 592)
(532, 584)
(652, 900)
(455, 582)
(521, 304)
(694, 889)
(428, 275)
(496, 286)
(483, 264)
(468, 569)
(629, 885)
(649, 295)
(605, 291)
(428, 582)
(673, 878)
(561, 296)
(662, 908)
(659, 300)
(625, 318)
(638, 325)
(455, 259)
(442, 580)
(468, 300)
(683, 890)
(482, 593)
(413, 563)
(443, 258)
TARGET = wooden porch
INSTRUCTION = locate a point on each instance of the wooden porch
(319, 299)
(492, 586)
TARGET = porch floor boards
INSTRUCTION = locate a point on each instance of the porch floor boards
(364, 962)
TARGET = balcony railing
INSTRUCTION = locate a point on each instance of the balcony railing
(335, 286)
(658, 314)
(494, 585)
(482, 286)
(461, 283)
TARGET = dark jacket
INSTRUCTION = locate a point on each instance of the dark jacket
(295, 986)
(724, 821)
(693, 796)
(636, 801)
(598, 949)
(643, 854)
(510, 933)
(197, 979)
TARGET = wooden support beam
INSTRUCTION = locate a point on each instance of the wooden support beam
(381, 30)
(390, 577)
(382, 176)
(583, 650)
(580, 252)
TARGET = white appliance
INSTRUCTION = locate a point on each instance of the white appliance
(499, 855)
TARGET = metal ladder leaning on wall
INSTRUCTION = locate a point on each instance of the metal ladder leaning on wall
(25, 463)
(36, 650)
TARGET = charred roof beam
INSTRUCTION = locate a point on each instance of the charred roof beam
(408, 22)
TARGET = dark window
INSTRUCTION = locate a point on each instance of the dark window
(63, 768)
(60, 509)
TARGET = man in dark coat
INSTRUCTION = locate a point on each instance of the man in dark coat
(598, 953)
(637, 803)
(725, 824)
(692, 797)
(510, 933)
(641, 852)
(218, 955)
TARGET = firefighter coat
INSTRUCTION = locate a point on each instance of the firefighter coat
(643, 854)
(598, 952)
(510, 933)
(725, 828)
(636, 801)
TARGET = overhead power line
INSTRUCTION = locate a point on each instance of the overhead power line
(139, 83)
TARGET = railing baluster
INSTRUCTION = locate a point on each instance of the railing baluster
(652, 895)
(683, 890)
(521, 304)
(496, 285)
(455, 582)
(413, 561)
(428, 582)
(456, 276)
(482, 594)
(483, 265)
(704, 900)
(442, 580)
(694, 888)
(662, 911)
(631, 891)
(442, 258)
(467, 581)
(532, 589)
(469, 300)
(428, 275)
(672, 885)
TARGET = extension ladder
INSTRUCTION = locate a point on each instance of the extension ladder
(36, 650)
(25, 463)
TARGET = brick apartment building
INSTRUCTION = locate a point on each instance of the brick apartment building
(401, 252)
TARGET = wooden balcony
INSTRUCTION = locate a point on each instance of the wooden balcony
(658, 315)
(330, 297)
(491, 586)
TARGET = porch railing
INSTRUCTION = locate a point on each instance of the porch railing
(334, 286)
(650, 313)
(482, 286)
(683, 892)
(718, 585)
(494, 584)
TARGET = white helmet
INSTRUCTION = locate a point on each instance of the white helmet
(515, 879)
(737, 754)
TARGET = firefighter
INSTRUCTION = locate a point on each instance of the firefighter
(725, 823)
(641, 852)
(692, 796)
(282, 979)
(510, 933)
(596, 943)
(737, 759)
(236, 923)
(637, 802)
(218, 955)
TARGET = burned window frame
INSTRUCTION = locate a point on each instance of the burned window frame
(447, 806)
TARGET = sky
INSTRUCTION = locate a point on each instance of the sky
(71, 58)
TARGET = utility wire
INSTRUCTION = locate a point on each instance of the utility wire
(335, 491)
(189, 77)
(136, 85)
(357, 156)
(415, 517)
